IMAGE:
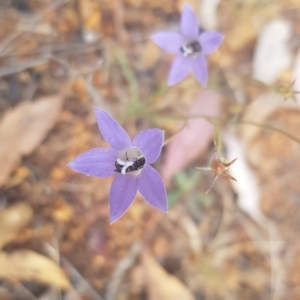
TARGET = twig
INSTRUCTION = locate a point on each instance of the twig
(270, 127)
(278, 270)
(219, 119)
(5, 71)
(83, 284)
(120, 271)
(15, 35)
(26, 291)
(168, 140)
(128, 74)
(96, 97)
(270, 247)
(192, 232)
(54, 253)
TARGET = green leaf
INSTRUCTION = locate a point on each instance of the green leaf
(173, 197)
(186, 183)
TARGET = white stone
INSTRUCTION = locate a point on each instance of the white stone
(246, 186)
(272, 54)
(296, 72)
(208, 13)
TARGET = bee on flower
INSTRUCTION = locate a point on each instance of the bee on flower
(129, 162)
(190, 47)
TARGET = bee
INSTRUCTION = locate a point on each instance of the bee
(130, 166)
(191, 48)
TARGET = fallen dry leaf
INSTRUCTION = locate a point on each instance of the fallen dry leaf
(245, 31)
(28, 265)
(23, 128)
(90, 14)
(160, 284)
(192, 141)
(20, 174)
(12, 220)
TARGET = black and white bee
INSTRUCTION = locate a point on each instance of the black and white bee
(129, 166)
(193, 47)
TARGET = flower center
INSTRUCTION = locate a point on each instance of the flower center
(191, 48)
(131, 160)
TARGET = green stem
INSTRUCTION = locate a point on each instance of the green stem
(128, 74)
(270, 127)
(217, 120)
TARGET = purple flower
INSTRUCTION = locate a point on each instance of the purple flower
(129, 162)
(190, 46)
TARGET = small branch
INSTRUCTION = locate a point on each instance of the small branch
(5, 71)
(82, 285)
(168, 140)
(128, 74)
(218, 119)
(270, 127)
(121, 270)
(15, 35)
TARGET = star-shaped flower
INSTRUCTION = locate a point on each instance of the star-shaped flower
(129, 162)
(190, 46)
(288, 92)
(219, 166)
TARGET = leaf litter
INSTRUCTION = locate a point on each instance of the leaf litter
(69, 211)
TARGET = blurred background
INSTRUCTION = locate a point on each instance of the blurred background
(59, 59)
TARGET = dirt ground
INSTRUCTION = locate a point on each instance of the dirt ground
(61, 58)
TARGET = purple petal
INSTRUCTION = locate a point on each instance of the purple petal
(150, 143)
(122, 194)
(210, 41)
(112, 131)
(151, 187)
(98, 162)
(189, 24)
(180, 68)
(169, 41)
(199, 67)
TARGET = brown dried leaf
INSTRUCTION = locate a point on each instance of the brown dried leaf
(24, 128)
(160, 284)
(245, 31)
(12, 220)
(28, 265)
(90, 12)
(193, 140)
